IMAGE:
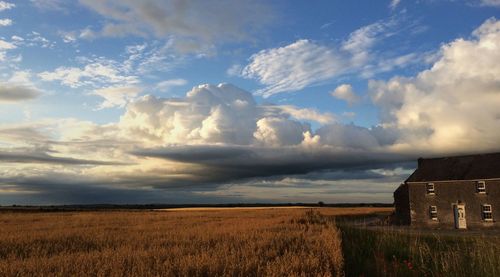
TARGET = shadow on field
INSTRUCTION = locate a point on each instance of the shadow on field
(373, 248)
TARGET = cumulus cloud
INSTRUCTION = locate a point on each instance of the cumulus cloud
(210, 114)
(218, 135)
(453, 106)
(215, 135)
(192, 21)
(346, 93)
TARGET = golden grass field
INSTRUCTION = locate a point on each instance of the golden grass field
(232, 242)
(224, 242)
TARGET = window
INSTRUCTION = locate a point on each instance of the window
(433, 212)
(430, 189)
(487, 215)
(481, 187)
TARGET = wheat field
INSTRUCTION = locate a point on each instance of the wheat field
(264, 242)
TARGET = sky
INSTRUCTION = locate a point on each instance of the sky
(239, 101)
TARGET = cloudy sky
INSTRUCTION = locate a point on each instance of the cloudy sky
(205, 101)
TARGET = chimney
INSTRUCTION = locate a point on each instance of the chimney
(420, 161)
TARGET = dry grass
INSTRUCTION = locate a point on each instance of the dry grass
(271, 242)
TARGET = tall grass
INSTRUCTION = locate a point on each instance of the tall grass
(275, 242)
(216, 243)
(391, 253)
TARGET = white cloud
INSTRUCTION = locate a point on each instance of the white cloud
(300, 113)
(151, 58)
(148, 59)
(5, 45)
(209, 114)
(8, 60)
(87, 33)
(305, 63)
(274, 131)
(394, 3)
(346, 93)
(6, 6)
(21, 77)
(361, 41)
(36, 39)
(17, 38)
(95, 73)
(5, 22)
(68, 37)
(453, 106)
(492, 3)
(117, 96)
(167, 85)
(293, 67)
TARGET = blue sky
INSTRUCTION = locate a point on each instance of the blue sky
(239, 101)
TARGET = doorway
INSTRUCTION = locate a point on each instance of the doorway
(459, 212)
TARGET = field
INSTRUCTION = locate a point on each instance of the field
(224, 242)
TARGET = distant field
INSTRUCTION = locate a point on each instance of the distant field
(272, 241)
(233, 208)
(249, 242)
(326, 211)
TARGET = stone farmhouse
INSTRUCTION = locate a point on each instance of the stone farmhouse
(460, 192)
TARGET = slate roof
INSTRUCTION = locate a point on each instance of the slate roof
(470, 167)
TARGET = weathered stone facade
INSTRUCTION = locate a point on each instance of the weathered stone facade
(433, 202)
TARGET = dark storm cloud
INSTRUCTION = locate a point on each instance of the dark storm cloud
(221, 164)
(44, 158)
(67, 190)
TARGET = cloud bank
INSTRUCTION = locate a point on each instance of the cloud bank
(218, 142)
(12, 92)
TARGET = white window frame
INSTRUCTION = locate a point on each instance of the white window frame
(481, 187)
(433, 213)
(430, 188)
(487, 209)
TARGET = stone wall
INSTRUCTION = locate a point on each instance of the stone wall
(448, 193)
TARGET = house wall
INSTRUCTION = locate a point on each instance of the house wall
(448, 193)
(402, 205)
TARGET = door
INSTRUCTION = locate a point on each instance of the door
(459, 211)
